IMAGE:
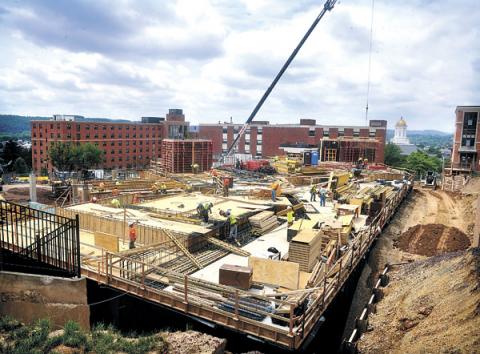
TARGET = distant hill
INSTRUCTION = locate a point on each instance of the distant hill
(14, 124)
(429, 132)
(427, 137)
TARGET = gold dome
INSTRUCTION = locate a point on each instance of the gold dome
(401, 123)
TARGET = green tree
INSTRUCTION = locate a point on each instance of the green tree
(62, 156)
(420, 162)
(393, 155)
(87, 156)
(66, 157)
(20, 166)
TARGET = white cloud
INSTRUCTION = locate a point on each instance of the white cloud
(215, 58)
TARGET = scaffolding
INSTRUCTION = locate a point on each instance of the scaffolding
(179, 156)
(344, 149)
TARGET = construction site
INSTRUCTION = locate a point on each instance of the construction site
(318, 249)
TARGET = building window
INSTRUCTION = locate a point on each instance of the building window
(326, 133)
(356, 132)
(259, 142)
(372, 133)
(311, 131)
(225, 130)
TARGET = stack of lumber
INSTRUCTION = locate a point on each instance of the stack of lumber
(305, 248)
(263, 222)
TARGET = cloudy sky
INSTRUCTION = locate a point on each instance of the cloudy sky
(215, 58)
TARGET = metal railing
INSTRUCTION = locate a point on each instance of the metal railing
(47, 241)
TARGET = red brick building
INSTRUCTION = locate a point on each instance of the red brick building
(125, 145)
(337, 143)
(466, 140)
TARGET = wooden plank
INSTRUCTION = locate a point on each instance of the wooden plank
(281, 273)
(107, 241)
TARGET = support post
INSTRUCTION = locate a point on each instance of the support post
(291, 320)
(236, 304)
(185, 291)
(77, 235)
(339, 273)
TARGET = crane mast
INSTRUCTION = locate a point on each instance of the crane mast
(328, 6)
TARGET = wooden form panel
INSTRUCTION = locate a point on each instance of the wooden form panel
(281, 273)
(107, 241)
(146, 235)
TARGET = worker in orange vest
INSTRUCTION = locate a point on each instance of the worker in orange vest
(132, 235)
(274, 187)
(226, 186)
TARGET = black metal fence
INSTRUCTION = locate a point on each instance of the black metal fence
(38, 241)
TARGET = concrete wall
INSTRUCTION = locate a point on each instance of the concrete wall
(29, 297)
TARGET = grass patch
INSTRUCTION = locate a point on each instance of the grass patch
(34, 339)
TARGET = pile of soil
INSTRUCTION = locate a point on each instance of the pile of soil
(194, 342)
(432, 239)
(429, 306)
(472, 186)
(21, 194)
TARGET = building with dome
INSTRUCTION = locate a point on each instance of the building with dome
(400, 138)
(401, 133)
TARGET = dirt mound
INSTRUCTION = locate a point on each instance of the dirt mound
(432, 239)
(194, 342)
(430, 306)
(472, 186)
(21, 194)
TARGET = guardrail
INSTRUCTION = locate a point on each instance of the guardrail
(39, 236)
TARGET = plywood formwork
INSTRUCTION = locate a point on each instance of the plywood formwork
(178, 156)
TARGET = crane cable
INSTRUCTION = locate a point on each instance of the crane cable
(369, 61)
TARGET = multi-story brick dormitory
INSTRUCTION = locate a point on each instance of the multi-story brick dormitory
(466, 140)
(336, 143)
(125, 145)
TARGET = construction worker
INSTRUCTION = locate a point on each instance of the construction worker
(274, 188)
(232, 221)
(189, 188)
(163, 189)
(132, 235)
(226, 186)
(94, 199)
(101, 187)
(204, 209)
(115, 203)
(195, 168)
(323, 196)
(290, 216)
(115, 192)
(313, 193)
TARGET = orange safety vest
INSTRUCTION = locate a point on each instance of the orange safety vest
(132, 234)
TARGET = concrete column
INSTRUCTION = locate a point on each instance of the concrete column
(33, 187)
